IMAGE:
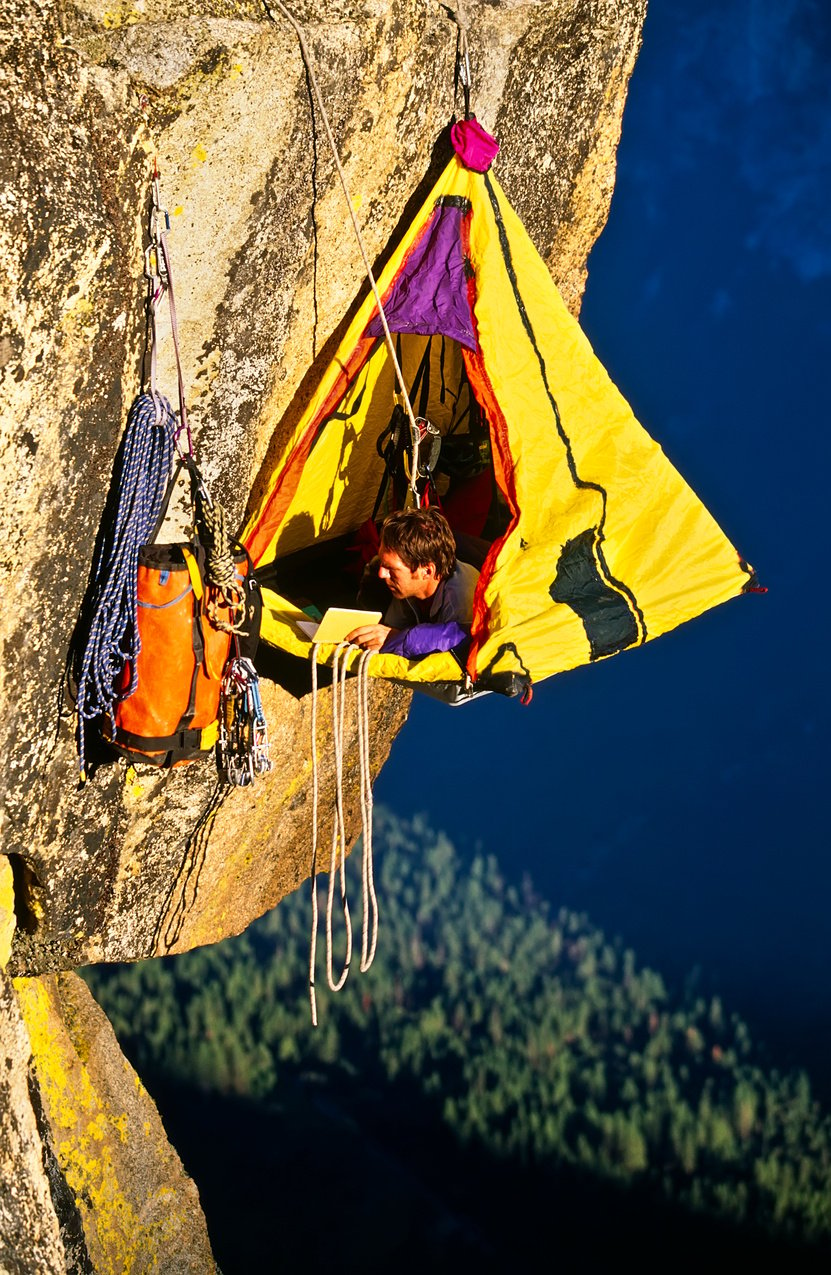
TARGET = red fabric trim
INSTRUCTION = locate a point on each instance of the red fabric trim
(271, 519)
(503, 468)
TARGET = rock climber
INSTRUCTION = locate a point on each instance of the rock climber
(432, 591)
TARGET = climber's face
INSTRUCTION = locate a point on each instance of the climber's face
(401, 581)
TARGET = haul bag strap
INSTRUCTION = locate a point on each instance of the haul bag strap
(169, 489)
(184, 462)
(189, 739)
(197, 638)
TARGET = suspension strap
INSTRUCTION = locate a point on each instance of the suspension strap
(159, 273)
(458, 14)
(399, 376)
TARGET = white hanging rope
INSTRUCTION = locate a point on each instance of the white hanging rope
(313, 943)
(369, 899)
(338, 824)
(307, 58)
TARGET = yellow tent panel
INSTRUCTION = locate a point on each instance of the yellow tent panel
(594, 541)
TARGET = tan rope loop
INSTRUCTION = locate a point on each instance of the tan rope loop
(221, 570)
(337, 862)
(369, 897)
(338, 824)
(313, 878)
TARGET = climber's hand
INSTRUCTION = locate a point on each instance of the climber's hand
(371, 636)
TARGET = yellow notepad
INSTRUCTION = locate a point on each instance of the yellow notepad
(336, 623)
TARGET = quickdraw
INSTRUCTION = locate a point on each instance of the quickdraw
(243, 734)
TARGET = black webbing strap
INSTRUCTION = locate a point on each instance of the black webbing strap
(422, 379)
(399, 428)
(183, 740)
(184, 462)
(168, 496)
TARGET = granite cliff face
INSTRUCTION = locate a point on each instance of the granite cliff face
(266, 267)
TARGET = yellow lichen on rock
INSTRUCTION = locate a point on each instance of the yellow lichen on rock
(30, 1230)
(140, 1212)
(7, 918)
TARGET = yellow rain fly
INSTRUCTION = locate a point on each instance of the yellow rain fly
(596, 542)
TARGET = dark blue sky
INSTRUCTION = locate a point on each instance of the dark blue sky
(677, 793)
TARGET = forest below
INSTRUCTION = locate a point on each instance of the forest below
(504, 1080)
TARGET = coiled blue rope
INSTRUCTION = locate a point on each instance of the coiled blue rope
(113, 638)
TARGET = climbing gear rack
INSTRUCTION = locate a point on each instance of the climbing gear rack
(243, 733)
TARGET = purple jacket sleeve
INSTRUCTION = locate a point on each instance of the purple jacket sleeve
(424, 639)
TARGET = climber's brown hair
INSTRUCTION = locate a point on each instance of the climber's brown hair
(420, 536)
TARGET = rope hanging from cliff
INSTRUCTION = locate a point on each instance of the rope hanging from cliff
(337, 862)
(158, 271)
(210, 516)
(368, 895)
(313, 873)
(399, 376)
(139, 482)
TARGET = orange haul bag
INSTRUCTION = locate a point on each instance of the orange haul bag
(172, 717)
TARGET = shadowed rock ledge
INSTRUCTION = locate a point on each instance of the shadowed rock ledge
(141, 863)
